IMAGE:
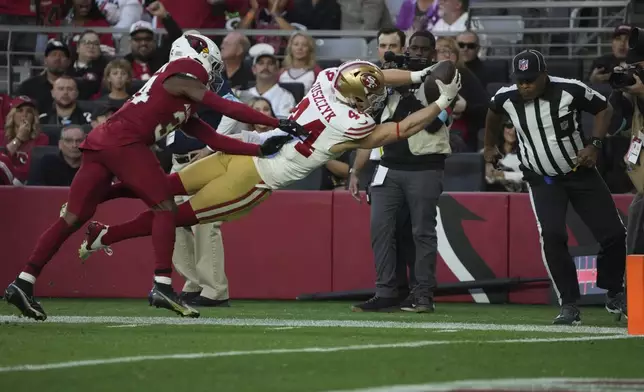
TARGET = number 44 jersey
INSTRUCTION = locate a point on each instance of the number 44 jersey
(151, 113)
(328, 121)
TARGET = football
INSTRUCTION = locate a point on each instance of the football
(444, 72)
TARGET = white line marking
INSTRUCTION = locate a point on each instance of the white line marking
(124, 326)
(248, 322)
(539, 384)
(446, 330)
(280, 328)
(424, 343)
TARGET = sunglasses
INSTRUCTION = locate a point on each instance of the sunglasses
(468, 45)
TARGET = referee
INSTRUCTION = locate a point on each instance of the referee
(559, 168)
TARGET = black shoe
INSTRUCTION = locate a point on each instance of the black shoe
(377, 304)
(23, 299)
(189, 296)
(407, 302)
(419, 305)
(568, 315)
(162, 296)
(617, 305)
(204, 301)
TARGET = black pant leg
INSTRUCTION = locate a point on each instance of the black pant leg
(405, 251)
(592, 200)
(549, 204)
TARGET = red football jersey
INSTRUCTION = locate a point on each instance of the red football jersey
(151, 113)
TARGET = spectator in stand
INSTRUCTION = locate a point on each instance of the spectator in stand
(59, 169)
(507, 177)
(57, 61)
(89, 65)
(268, 15)
(365, 15)
(21, 135)
(144, 55)
(117, 81)
(317, 14)
(417, 15)
(455, 18)
(266, 70)
(233, 51)
(64, 110)
(120, 14)
(85, 13)
(468, 45)
(603, 66)
(470, 107)
(299, 64)
(262, 105)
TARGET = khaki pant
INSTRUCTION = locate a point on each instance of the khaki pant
(199, 255)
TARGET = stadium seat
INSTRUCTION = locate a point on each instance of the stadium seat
(53, 132)
(570, 69)
(341, 48)
(297, 89)
(493, 87)
(312, 182)
(36, 156)
(394, 7)
(464, 172)
(498, 71)
(324, 64)
(89, 106)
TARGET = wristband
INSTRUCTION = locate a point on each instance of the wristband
(417, 77)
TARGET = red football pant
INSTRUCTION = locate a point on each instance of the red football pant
(138, 168)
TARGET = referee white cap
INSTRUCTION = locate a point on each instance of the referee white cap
(528, 65)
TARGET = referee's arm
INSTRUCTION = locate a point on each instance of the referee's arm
(493, 123)
(589, 100)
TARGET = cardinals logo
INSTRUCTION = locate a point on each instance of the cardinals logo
(369, 81)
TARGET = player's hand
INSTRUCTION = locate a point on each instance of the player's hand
(448, 91)
(354, 186)
(157, 9)
(292, 128)
(273, 145)
(587, 156)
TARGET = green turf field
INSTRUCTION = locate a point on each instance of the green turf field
(124, 345)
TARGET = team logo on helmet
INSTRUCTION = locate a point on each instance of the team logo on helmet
(199, 45)
(369, 81)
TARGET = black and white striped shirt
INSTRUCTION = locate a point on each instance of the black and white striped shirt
(549, 128)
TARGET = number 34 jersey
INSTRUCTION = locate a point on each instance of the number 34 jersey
(328, 121)
(151, 113)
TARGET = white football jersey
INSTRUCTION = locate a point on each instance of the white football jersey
(329, 122)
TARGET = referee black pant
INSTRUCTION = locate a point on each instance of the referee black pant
(586, 191)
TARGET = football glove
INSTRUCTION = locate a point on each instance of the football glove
(273, 144)
(292, 128)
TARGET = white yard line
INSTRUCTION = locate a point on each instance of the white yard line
(422, 343)
(536, 384)
(251, 322)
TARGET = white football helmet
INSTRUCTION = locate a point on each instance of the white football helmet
(200, 48)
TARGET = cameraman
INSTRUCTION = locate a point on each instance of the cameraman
(407, 183)
(628, 101)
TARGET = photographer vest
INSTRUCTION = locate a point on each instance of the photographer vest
(422, 151)
(636, 170)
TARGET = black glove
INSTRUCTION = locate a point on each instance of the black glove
(273, 144)
(292, 128)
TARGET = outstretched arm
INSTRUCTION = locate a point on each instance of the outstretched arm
(198, 128)
(198, 92)
(399, 77)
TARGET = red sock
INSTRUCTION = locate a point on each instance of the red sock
(47, 246)
(119, 190)
(163, 238)
(175, 186)
(141, 226)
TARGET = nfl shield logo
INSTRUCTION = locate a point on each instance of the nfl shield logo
(523, 65)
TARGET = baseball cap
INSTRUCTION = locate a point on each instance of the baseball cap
(105, 109)
(622, 30)
(22, 100)
(141, 25)
(258, 51)
(56, 45)
(528, 64)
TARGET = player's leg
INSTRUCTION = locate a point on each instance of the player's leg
(121, 190)
(90, 183)
(138, 168)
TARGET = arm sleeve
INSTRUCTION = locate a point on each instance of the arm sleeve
(204, 132)
(238, 111)
(587, 99)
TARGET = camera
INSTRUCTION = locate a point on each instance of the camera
(404, 61)
(625, 76)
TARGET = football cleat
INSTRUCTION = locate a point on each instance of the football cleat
(26, 303)
(617, 305)
(63, 210)
(162, 296)
(92, 243)
(568, 315)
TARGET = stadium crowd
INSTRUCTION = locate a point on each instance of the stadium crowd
(88, 76)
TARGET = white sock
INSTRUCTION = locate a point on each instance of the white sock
(27, 277)
(163, 280)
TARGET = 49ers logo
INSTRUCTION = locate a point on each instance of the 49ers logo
(369, 81)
